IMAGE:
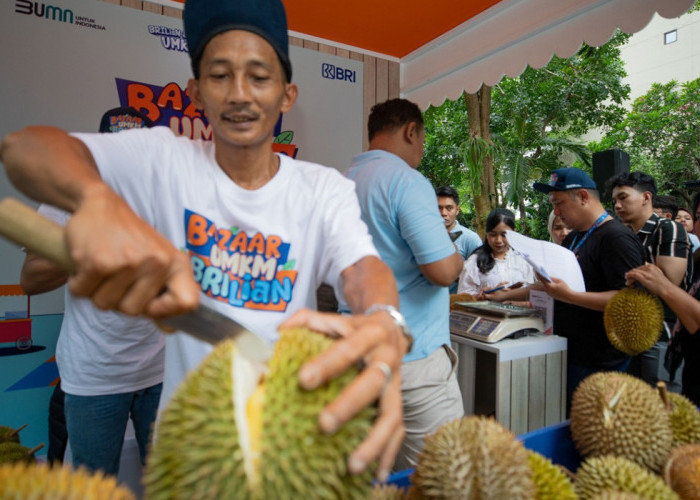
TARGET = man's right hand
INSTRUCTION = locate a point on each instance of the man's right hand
(122, 263)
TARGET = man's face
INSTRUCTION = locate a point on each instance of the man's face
(241, 88)
(448, 210)
(629, 204)
(567, 206)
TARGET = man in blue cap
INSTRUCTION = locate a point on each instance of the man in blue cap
(258, 231)
(606, 249)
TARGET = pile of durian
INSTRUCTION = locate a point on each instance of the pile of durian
(236, 429)
(22, 478)
(628, 433)
(12, 450)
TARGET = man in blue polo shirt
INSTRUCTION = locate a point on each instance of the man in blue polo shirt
(400, 208)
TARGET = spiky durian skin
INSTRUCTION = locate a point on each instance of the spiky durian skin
(22, 481)
(616, 495)
(613, 413)
(633, 320)
(11, 452)
(682, 471)
(387, 492)
(297, 460)
(615, 473)
(197, 453)
(550, 481)
(685, 420)
(473, 458)
(8, 434)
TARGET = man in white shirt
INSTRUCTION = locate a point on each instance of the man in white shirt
(150, 211)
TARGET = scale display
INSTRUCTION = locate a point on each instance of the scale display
(492, 321)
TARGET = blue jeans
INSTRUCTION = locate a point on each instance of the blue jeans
(96, 426)
(576, 373)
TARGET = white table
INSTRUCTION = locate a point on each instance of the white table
(522, 382)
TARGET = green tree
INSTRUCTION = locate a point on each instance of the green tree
(535, 115)
(660, 135)
(530, 118)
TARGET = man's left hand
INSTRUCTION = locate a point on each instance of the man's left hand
(377, 341)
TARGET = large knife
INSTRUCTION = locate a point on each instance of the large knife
(22, 225)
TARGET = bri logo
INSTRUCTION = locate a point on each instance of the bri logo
(333, 72)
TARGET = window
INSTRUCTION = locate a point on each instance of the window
(670, 37)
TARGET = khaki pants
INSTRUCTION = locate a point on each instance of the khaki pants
(431, 397)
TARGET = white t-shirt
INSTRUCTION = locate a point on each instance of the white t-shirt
(511, 269)
(258, 255)
(104, 352)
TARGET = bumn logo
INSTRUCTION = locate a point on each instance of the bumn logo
(42, 10)
(333, 72)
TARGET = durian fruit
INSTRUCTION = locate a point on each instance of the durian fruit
(633, 320)
(233, 431)
(387, 492)
(550, 481)
(10, 434)
(473, 458)
(619, 474)
(39, 481)
(616, 495)
(614, 413)
(682, 471)
(684, 415)
(11, 452)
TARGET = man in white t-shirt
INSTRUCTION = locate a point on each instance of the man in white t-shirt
(258, 231)
(111, 365)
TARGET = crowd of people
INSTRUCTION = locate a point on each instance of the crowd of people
(644, 237)
(388, 244)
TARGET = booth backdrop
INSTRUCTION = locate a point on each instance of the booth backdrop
(66, 62)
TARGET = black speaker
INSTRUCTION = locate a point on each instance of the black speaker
(607, 164)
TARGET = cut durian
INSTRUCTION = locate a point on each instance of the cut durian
(236, 429)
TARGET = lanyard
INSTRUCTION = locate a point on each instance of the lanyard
(595, 225)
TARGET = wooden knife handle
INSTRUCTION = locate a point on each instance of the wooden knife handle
(24, 226)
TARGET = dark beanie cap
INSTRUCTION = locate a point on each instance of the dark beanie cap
(205, 19)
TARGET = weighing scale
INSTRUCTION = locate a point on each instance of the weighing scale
(492, 321)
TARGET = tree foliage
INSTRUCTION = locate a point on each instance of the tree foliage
(660, 135)
(531, 118)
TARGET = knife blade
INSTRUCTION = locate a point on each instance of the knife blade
(211, 326)
(22, 225)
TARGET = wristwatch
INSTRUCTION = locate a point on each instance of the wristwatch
(398, 319)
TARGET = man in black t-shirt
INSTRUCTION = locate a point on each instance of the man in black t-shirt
(606, 250)
(665, 244)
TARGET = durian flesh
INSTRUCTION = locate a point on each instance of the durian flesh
(238, 430)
